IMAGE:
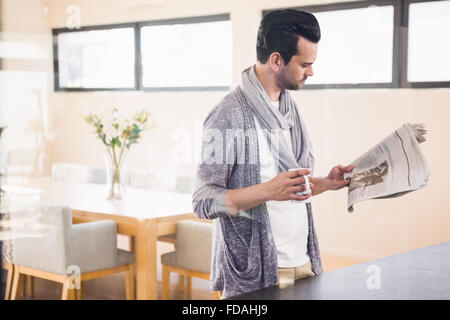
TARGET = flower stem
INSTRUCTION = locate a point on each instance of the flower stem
(116, 176)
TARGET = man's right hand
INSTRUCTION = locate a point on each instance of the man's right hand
(283, 187)
(286, 184)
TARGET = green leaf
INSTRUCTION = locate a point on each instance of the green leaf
(117, 142)
(103, 138)
(135, 130)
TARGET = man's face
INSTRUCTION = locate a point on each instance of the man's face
(293, 75)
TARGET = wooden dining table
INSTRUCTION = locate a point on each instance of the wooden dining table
(143, 214)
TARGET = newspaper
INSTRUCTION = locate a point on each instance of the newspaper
(392, 168)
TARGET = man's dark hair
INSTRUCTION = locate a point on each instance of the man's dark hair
(279, 31)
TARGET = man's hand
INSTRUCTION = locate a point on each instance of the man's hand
(283, 187)
(334, 181)
(286, 185)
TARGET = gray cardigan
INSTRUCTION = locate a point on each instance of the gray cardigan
(244, 256)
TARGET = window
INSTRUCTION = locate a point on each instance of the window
(196, 55)
(363, 54)
(385, 43)
(428, 42)
(177, 54)
(96, 59)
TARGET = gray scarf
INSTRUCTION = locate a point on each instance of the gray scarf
(273, 121)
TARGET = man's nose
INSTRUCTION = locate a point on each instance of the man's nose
(309, 71)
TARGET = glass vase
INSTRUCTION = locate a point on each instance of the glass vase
(115, 187)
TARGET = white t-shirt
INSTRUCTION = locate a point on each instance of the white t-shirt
(289, 220)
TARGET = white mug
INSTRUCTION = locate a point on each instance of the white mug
(307, 186)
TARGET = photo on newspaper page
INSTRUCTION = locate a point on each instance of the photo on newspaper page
(393, 167)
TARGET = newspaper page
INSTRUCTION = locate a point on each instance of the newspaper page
(393, 167)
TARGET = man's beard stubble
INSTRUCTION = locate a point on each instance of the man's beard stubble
(284, 82)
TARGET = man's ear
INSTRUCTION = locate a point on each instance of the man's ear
(275, 61)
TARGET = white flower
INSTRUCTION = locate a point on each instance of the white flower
(111, 124)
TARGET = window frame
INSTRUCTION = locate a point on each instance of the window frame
(404, 80)
(57, 31)
(137, 26)
(399, 49)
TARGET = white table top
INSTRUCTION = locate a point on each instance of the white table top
(138, 203)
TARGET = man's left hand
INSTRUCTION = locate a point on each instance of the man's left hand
(335, 179)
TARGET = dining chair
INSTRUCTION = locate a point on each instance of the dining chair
(71, 172)
(157, 180)
(6, 252)
(162, 180)
(98, 175)
(57, 250)
(192, 257)
(185, 183)
(62, 171)
(9, 268)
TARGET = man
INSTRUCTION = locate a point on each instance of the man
(264, 232)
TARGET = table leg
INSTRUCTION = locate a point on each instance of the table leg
(146, 280)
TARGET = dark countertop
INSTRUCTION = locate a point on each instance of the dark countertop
(418, 274)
